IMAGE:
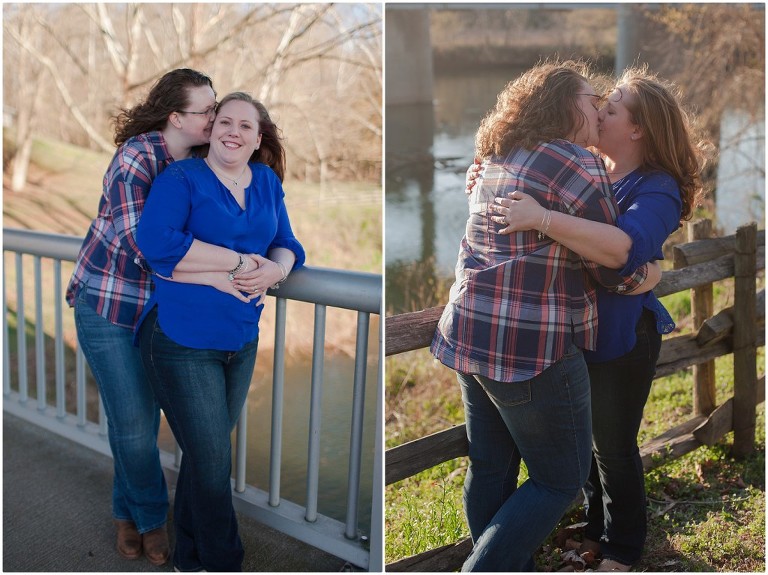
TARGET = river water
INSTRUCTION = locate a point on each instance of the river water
(429, 147)
(428, 150)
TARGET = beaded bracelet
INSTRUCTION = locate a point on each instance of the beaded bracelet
(237, 268)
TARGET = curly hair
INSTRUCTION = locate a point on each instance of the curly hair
(655, 106)
(169, 94)
(539, 106)
(271, 151)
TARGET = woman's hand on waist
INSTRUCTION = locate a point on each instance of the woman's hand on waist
(519, 212)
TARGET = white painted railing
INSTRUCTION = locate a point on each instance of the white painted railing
(324, 288)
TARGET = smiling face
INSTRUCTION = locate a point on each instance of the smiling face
(235, 134)
(617, 129)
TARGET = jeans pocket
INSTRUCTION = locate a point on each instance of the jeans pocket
(648, 342)
(506, 394)
(152, 320)
(572, 351)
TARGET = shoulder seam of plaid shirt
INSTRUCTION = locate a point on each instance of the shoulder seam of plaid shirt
(518, 302)
(110, 266)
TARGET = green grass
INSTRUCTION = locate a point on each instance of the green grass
(717, 522)
(706, 509)
(425, 511)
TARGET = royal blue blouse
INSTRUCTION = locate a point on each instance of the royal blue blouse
(187, 201)
(650, 208)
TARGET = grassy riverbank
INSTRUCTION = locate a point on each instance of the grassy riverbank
(339, 225)
(706, 510)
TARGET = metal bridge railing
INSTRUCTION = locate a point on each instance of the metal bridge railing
(324, 288)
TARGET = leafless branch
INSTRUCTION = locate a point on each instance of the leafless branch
(63, 90)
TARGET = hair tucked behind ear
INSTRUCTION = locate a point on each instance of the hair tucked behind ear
(271, 151)
(169, 94)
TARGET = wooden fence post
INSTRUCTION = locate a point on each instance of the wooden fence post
(744, 340)
(702, 307)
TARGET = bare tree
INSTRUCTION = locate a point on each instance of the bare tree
(28, 76)
(716, 52)
(316, 66)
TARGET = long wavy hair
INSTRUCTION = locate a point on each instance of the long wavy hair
(539, 106)
(655, 106)
(169, 94)
(271, 151)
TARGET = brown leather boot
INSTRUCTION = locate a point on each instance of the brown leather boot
(156, 545)
(128, 539)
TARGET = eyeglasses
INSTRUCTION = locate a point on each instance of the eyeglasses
(598, 96)
(207, 112)
(597, 104)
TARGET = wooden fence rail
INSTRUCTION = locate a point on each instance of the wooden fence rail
(738, 329)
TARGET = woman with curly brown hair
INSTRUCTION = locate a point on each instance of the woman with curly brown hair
(111, 284)
(520, 313)
(654, 167)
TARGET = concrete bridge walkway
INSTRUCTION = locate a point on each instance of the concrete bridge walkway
(57, 514)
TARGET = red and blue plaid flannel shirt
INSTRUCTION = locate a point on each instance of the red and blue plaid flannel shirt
(518, 301)
(110, 266)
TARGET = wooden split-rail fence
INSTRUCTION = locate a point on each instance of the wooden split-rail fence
(738, 329)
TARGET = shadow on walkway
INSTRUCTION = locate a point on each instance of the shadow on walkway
(57, 513)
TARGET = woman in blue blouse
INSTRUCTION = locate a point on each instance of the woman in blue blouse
(654, 169)
(222, 215)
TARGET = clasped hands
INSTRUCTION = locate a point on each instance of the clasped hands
(251, 283)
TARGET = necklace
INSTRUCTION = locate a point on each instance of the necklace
(625, 172)
(235, 181)
(618, 177)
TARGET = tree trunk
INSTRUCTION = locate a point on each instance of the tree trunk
(21, 164)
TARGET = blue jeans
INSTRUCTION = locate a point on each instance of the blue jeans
(544, 421)
(615, 491)
(202, 393)
(139, 492)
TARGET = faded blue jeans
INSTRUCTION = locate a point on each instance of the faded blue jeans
(201, 392)
(615, 491)
(546, 422)
(139, 491)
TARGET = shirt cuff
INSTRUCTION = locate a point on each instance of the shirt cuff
(293, 245)
(636, 256)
